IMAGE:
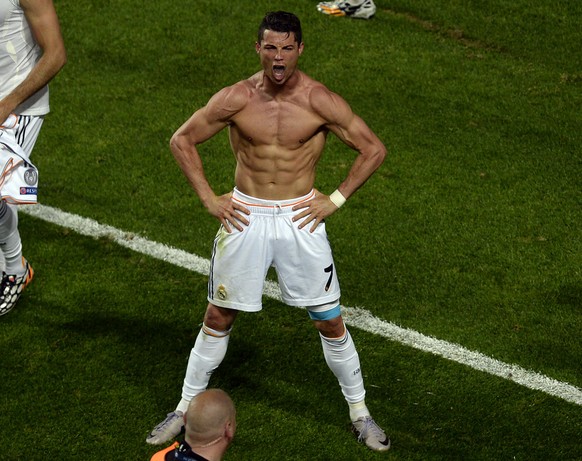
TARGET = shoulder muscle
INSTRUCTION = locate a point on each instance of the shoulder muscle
(330, 106)
(227, 102)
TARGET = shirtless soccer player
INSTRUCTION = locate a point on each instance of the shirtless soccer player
(278, 121)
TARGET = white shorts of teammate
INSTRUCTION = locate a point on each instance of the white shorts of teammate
(25, 129)
(302, 259)
(18, 176)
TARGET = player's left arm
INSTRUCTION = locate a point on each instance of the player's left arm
(44, 23)
(355, 133)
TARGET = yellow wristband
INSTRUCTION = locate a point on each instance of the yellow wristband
(337, 198)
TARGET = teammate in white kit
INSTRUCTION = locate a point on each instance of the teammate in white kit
(32, 52)
(278, 121)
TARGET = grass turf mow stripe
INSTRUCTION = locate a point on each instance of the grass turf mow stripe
(353, 316)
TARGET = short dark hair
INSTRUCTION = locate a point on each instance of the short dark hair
(281, 21)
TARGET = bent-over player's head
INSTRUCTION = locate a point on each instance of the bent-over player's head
(210, 419)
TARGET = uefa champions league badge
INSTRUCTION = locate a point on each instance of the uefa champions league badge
(31, 177)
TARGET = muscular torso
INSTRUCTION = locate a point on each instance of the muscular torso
(277, 141)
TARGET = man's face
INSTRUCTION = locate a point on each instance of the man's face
(279, 53)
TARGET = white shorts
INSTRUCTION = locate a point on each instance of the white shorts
(18, 176)
(26, 133)
(303, 260)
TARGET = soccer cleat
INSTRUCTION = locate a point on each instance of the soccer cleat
(12, 287)
(370, 433)
(168, 429)
(362, 10)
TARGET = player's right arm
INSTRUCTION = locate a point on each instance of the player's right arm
(201, 126)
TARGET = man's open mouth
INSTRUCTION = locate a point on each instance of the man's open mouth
(278, 71)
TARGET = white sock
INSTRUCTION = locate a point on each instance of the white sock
(342, 358)
(206, 355)
(358, 410)
(10, 243)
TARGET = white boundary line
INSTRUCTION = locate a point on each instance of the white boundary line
(354, 316)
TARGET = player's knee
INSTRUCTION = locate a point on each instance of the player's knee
(219, 318)
(328, 319)
(334, 328)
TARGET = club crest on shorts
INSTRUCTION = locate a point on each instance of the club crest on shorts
(221, 292)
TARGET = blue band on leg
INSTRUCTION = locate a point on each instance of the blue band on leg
(326, 315)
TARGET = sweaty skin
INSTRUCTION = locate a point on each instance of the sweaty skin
(278, 120)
